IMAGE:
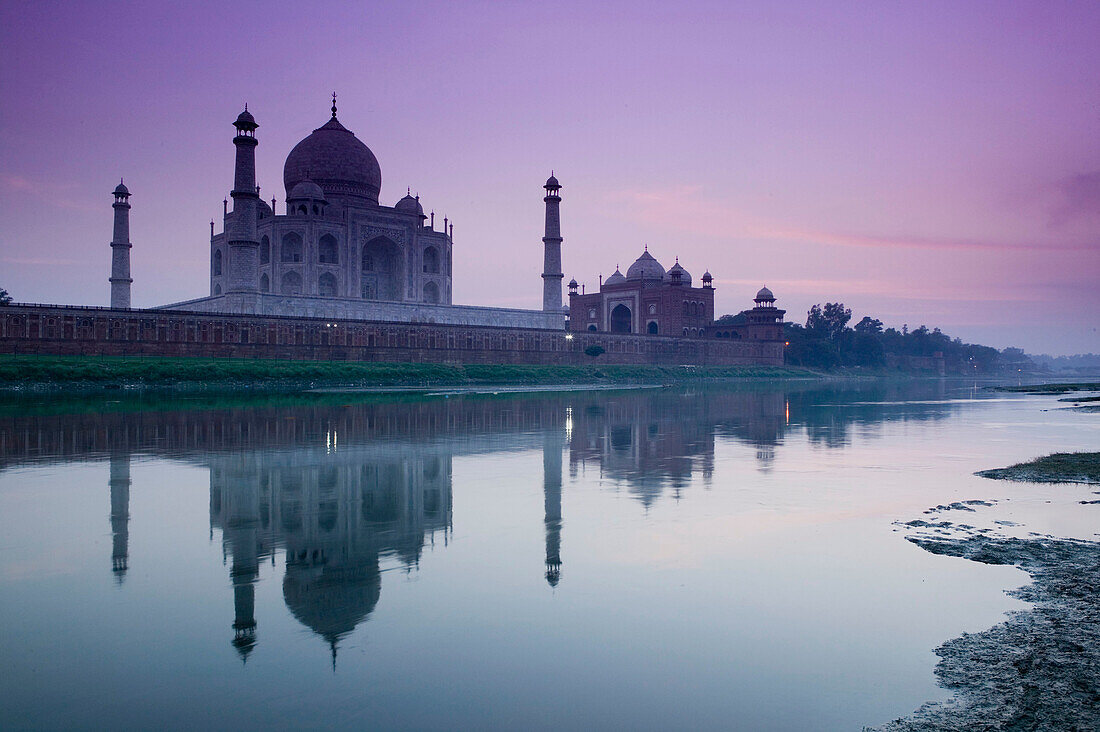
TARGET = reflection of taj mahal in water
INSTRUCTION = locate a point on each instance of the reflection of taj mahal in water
(333, 516)
(342, 494)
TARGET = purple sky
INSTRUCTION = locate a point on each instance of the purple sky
(927, 162)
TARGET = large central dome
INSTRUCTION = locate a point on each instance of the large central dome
(335, 159)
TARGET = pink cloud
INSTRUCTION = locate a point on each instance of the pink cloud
(683, 208)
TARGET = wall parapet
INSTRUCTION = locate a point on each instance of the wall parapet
(83, 330)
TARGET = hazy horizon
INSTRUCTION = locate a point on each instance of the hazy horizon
(933, 164)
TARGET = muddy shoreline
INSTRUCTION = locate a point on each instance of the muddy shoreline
(1061, 467)
(1040, 668)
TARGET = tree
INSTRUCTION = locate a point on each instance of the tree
(828, 322)
(868, 326)
(594, 350)
(5, 298)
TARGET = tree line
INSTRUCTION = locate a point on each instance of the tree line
(827, 342)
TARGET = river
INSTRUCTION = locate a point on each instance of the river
(718, 557)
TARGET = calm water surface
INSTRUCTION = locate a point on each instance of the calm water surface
(685, 557)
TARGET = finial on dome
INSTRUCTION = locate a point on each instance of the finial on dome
(409, 191)
(334, 105)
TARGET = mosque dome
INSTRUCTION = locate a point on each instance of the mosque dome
(334, 158)
(765, 294)
(645, 267)
(616, 278)
(306, 190)
(685, 276)
(707, 276)
(573, 283)
(410, 204)
(552, 182)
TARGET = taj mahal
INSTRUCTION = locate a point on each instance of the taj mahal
(336, 252)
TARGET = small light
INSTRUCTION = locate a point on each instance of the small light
(568, 336)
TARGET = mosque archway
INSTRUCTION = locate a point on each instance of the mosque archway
(217, 262)
(265, 283)
(431, 292)
(652, 327)
(291, 250)
(292, 284)
(431, 260)
(379, 269)
(620, 319)
(327, 252)
(265, 250)
(326, 285)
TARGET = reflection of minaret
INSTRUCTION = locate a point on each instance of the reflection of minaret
(241, 534)
(551, 489)
(120, 515)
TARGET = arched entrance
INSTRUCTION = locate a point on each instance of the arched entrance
(379, 269)
(326, 285)
(431, 292)
(292, 284)
(620, 319)
(652, 327)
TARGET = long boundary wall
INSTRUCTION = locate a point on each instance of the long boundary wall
(75, 330)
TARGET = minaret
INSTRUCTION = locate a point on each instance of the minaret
(551, 244)
(244, 244)
(551, 492)
(120, 250)
(119, 483)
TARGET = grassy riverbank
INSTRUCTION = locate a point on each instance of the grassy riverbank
(1052, 389)
(46, 373)
(1061, 467)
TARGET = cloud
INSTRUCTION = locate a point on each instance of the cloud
(56, 195)
(685, 209)
(820, 288)
(43, 262)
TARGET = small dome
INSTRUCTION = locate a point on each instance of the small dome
(765, 294)
(410, 204)
(245, 121)
(552, 182)
(685, 276)
(573, 283)
(616, 278)
(645, 267)
(307, 190)
(707, 277)
(121, 189)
